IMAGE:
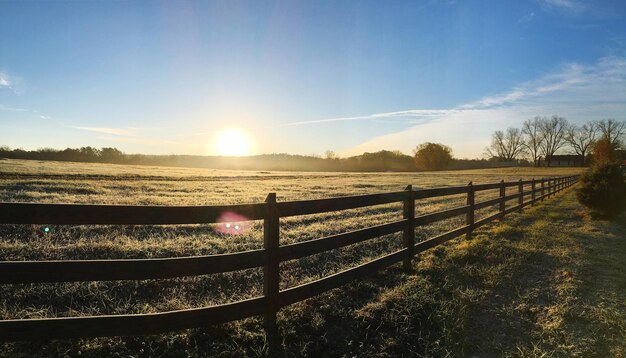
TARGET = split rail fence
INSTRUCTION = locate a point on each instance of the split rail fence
(272, 254)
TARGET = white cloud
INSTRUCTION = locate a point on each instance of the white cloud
(408, 116)
(572, 6)
(14, 109)
(140, 140)
(4, 81)
(526, 18)
(576, 91)
(114, 131)
(134, 135)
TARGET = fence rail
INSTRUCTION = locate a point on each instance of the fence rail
(272, 254)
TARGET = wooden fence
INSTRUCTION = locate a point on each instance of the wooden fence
(273, 299)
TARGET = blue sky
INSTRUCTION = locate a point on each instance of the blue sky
(303, 77)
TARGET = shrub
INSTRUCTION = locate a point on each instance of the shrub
(602, 189)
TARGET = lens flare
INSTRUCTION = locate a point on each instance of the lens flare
(232, 224)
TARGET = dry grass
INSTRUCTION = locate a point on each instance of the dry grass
(429, 313)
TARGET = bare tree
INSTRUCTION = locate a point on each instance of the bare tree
(553, 133)
(531, 130)
(581, 138)
(506, 146)
(613, 131)
(329, 154)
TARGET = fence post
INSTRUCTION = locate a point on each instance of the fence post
(408, 213)
(502, 200)
(543, 188)
(520, 200)
(271, 275)
(550, 188)
(469, 218)
(532, 187)
(557, 185)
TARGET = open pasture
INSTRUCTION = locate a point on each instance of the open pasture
(59, 182)
(56, 182)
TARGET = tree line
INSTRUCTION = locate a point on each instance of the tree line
(381, 161)
(542, 137)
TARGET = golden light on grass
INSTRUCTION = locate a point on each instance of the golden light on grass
(232, 142)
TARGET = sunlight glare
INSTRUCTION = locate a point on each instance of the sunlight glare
(232, 142)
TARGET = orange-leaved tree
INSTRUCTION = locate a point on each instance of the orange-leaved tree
(604, 151)
(432, 156)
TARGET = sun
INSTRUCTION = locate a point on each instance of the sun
(232, 142)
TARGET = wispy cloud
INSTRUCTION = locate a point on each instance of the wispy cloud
(443, 2)
(4, 81)
(7, 83)
(577, 91)
(139, 140)
(571, 6)
(24, 110)
(572, 77)
(137, 135)
(407, 116)
(115, 131)
(15, 109)
(526, 18)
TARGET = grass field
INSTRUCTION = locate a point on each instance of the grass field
(458, 302)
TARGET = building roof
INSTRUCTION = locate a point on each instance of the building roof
(564, 157)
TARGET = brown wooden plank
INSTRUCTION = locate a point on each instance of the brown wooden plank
(511, 196)
(128, 269)
(74, 214)
(440, 215)
(440, 239)
(311, 247)
(487, 203)
(435, 192)
(511, 209)
(126, 325)
(482, 187)
(310, 289)
(307, 207)
(487, 219)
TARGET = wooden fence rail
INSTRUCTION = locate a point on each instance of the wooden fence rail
(269, 258)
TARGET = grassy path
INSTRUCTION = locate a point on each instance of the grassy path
(548, 282)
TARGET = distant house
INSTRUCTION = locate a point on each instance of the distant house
(566, 160)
